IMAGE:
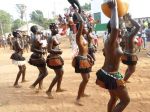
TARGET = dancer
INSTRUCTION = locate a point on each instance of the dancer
(36, 58)
(72, 30)
(130, 58)
(82, 62)
(54, 60)
(108, 76)
(9, 41)
(26, 44)
(44, 43)
(17, 57)
(91, 46)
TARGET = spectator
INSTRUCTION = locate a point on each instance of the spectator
(148, 37)
(143, 35)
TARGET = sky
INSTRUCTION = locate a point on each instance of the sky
(138, 8)
(46, 6)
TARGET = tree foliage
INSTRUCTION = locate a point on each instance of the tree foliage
(86, 7)
(17, 23)
(38, 18)
(47, 22)
(5, 22)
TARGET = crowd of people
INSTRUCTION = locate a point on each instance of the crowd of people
(8, 42)
(144, 33)
(81, 41)
(119, 46)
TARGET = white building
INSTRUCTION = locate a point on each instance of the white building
(98, 15)
(96, 8)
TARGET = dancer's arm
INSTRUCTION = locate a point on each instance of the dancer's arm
(136, 25)
(114, 22)
(33, 49)
(89, 35)
(20, 46)
(80, 30)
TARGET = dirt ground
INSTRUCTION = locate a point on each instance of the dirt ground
(26, 100)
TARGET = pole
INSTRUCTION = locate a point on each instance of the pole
(27, 23)
(1, 28)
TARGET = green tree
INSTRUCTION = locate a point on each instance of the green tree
(86, 7)
(37, 17)
(5, 22)
(17, 23)
(47, 22)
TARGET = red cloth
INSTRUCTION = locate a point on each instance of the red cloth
(140, 41)
(64, 30)
(91, 20)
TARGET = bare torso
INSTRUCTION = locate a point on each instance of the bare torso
(83, 47)
(129, 45)
(36, 46)
(53, 46)
(112, 57)
(18, 45)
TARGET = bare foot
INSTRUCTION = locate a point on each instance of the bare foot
(23, 81)
(17, 86)
(49, 95)
(32, 87)
(79, 103)
(85, 95)
(60, 90)
(40, 87)
(38, 90)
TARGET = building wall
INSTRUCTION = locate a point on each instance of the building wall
(95, 10)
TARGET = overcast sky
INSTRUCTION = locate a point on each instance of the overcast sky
(47, 6)
(137, 7)
(140, 8)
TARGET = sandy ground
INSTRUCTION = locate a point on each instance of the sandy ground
(26, 100)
